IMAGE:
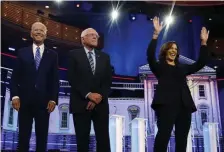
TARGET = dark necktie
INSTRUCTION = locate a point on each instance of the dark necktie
(91, 62)
(37, 57)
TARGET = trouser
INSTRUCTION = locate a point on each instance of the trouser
(167, 117)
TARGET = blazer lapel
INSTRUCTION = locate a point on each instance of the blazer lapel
(86, 61)
(30, 57)
(44, 59)
(98, 62)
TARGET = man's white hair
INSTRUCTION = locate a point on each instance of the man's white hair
(39, 23)
(88, 31)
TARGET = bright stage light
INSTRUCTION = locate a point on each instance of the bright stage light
(114, 14)
(169, 20)
(58, 1)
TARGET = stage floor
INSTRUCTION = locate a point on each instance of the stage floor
(9, 141)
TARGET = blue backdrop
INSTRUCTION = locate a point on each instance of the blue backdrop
(126, 42)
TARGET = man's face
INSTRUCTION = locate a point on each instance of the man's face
(91, 38)
(38, 33)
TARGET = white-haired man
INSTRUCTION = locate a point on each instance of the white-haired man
(34, 88)
(89, 75)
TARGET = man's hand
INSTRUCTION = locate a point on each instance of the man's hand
(16, 104)
(90, 105)
(204, 36)
(95, 97)
(51, 105)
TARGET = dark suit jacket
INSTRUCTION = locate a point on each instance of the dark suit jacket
(29, 83)
(83, 81)
(168, 88)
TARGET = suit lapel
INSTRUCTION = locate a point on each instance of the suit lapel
(86, 60)
(98, 62)
(30, 57)
(44, 59)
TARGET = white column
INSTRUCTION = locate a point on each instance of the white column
(217, 104)
(190, 140)
(192, 87)
(116, 131)
(210, 137)
(214, 102)
(146, 105)
(211, 90)
(138, 135)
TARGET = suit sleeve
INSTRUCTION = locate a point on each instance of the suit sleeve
(200, 63)
(74, 79)
(153, 64)
(55, 80)
(107, 80)
(16, 76)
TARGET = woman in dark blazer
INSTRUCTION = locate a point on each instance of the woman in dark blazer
(172, 101)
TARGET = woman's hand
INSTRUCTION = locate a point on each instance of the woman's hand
(157, 26)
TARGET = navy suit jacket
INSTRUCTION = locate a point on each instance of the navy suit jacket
(31, 84)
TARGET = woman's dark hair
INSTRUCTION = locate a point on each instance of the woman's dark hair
(163, 51)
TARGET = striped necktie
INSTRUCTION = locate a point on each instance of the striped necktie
(37, 58)
(91, 62)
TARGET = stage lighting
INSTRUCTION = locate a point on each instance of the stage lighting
(11, 49)
(132, 17)
(169, 20)
(58, 1)
(114, 14)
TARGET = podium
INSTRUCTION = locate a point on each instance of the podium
(190, 141)
(211, 137)
(138, 135)
(116, 131)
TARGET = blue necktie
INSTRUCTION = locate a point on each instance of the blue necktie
(37, 58)
(91, 62)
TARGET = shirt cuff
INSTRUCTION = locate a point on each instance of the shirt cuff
(87, 95)
(15, 97)
(53, 101)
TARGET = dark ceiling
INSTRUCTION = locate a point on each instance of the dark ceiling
(68, 10)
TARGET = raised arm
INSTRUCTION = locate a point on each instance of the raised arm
(203, 56)
(153, 64)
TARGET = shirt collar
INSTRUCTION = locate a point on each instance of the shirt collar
(35, 46)
(87, 51)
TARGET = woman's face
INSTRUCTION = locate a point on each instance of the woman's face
(172, 53)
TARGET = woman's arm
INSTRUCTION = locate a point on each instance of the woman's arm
(153, 64)
(200, 63)
(203, 56)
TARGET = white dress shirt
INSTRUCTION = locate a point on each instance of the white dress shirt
(35, 50)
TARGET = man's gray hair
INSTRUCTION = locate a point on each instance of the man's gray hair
(36, 23)
(86, 31)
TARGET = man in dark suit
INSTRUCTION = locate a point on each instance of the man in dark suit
(89, 75)
(34, 88)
